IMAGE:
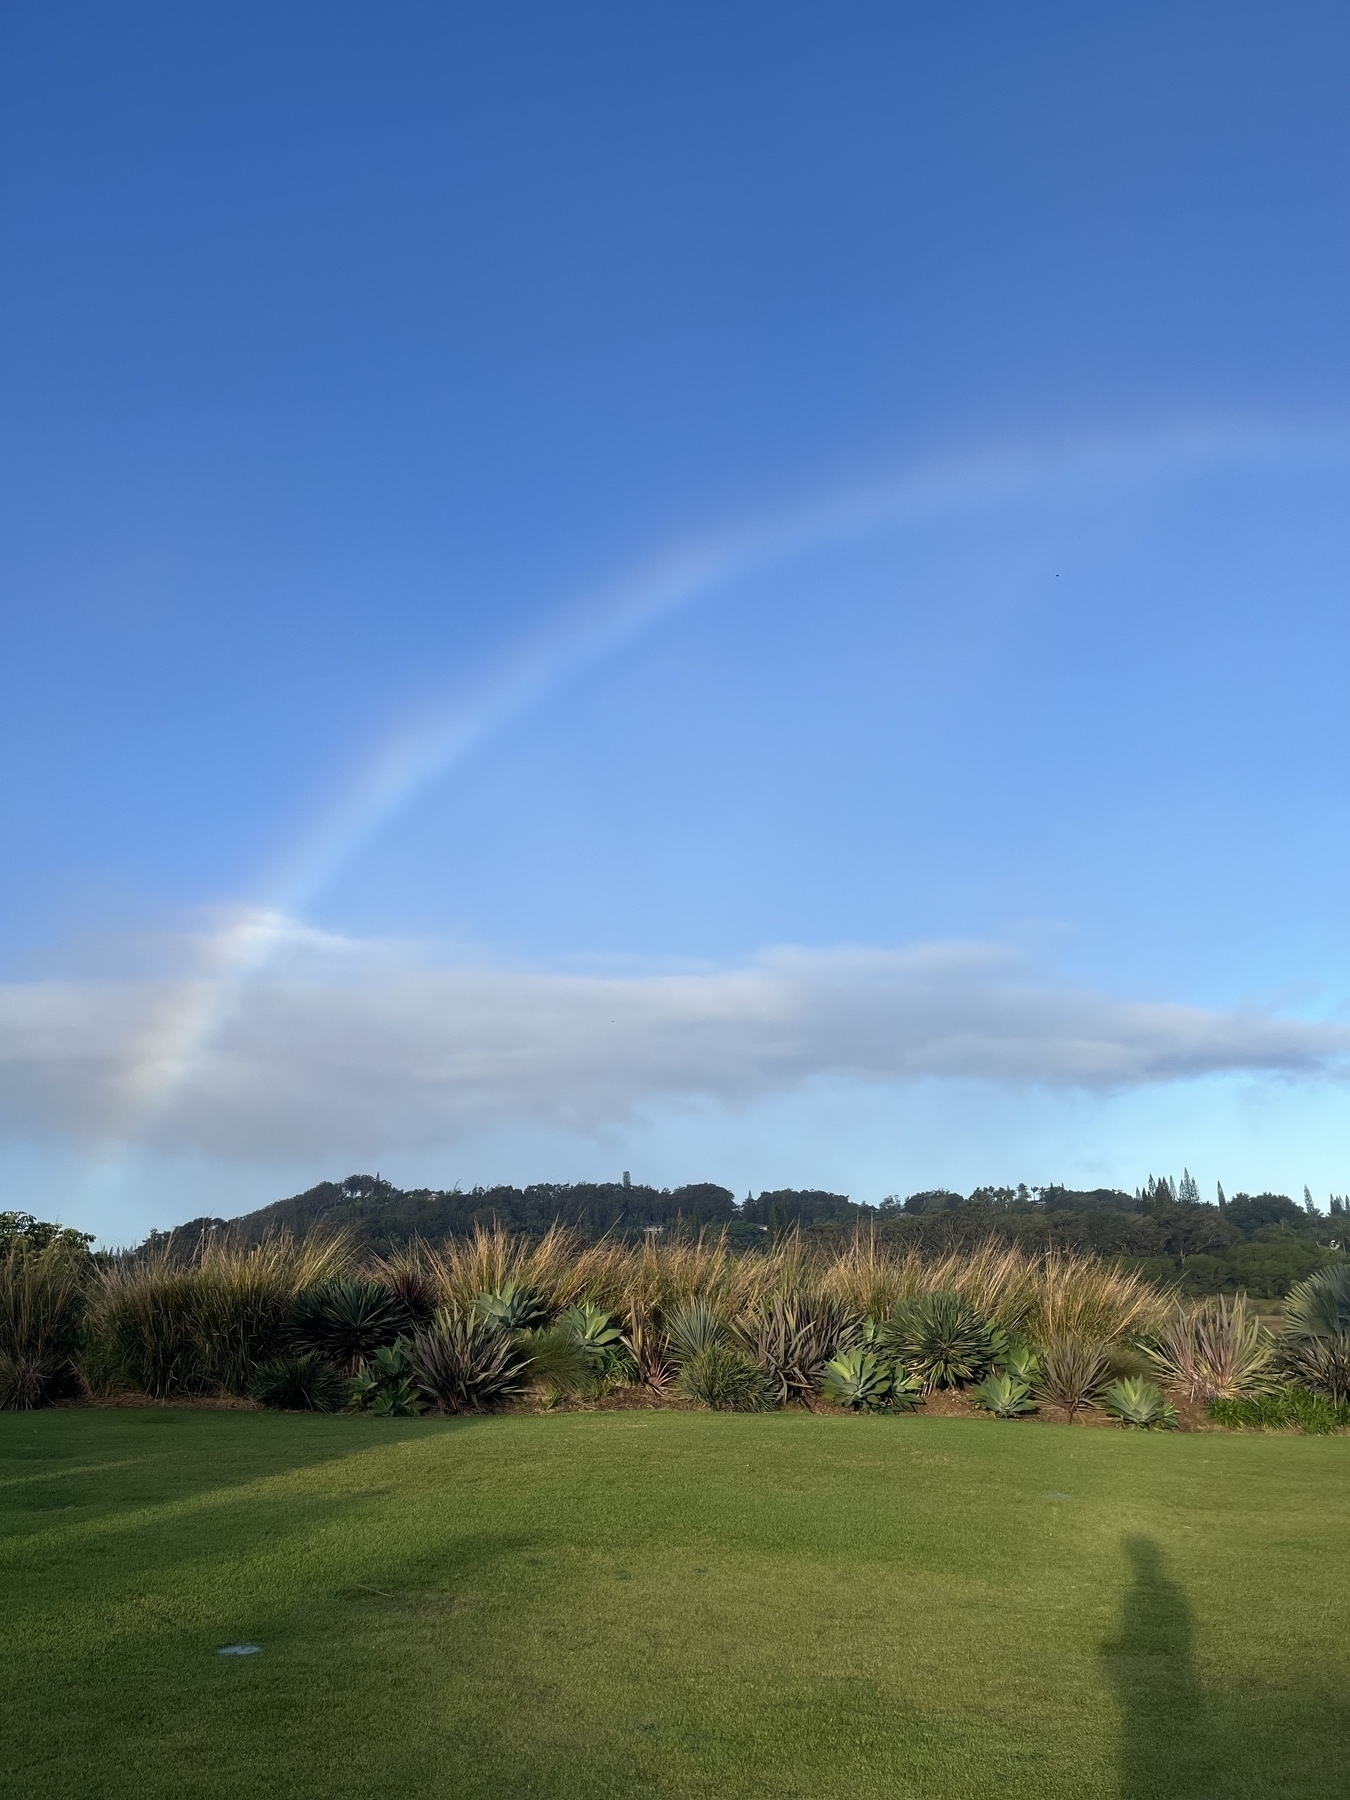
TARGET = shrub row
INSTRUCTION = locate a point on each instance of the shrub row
(480, 1323)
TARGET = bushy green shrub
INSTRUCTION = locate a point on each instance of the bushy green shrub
(347, 1320)
(466, 1363)
(1072, 1373)
(299, 1382)
(725, 1378)
(857, 1380)
(1140, 1403)
(1284, 1408)
(1004, 1395)
(943, 1339)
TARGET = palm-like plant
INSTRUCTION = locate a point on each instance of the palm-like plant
(693, 1328)
(1319, 1306)
(299, 1383)
(794, 1336)
(856, 1379)
(1140, 1403)
(1213, 1351)
(649, 1349)
(464, 1363)
(943, 1339)
(556, 1360)
(1315, 1344)
(1072, 1372)
(347, 1321)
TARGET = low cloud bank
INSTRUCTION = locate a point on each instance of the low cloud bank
(349, 1049)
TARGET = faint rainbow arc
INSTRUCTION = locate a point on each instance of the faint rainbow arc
(677, 577)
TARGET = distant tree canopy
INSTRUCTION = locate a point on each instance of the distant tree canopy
(36, 1234)
(1260, 1243)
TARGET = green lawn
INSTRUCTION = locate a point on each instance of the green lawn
(616, 1604)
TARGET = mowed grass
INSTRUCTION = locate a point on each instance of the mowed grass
(668, 1604)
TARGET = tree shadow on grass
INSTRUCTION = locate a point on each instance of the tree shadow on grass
(1184, 1739)
(130, 1458)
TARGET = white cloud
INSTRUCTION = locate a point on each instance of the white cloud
(343, 1048)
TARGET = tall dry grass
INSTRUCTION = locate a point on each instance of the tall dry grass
(167, 1327)
(41, 1305)
(1057, 1293)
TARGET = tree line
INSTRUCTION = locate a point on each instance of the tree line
(1258, 1243)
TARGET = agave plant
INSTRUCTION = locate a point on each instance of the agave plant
(465, 1363)
(857, 1380)
(1213, 1351)
(906, 1391)
(1004, 1395)
(1020, 1362)
(793, 1338)
(1315, 1344)
(1140, 1403)
(347, 1321)
(725, 1378)
(299, 1383)
(385, 1387)
(1072, 1373)
(943, 1339)
(599, 1334)
(513, 1307)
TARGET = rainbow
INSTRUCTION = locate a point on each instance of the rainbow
(687, 573)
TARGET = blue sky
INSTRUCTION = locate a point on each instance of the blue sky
(747, 593)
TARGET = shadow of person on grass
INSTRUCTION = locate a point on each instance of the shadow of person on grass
(1165, 1741)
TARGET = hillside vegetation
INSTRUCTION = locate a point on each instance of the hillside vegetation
(1260, 1244)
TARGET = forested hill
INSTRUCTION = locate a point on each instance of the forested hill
(1262, 1243)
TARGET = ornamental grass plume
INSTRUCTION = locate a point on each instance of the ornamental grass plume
(42, 1298)
(168, 1326)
